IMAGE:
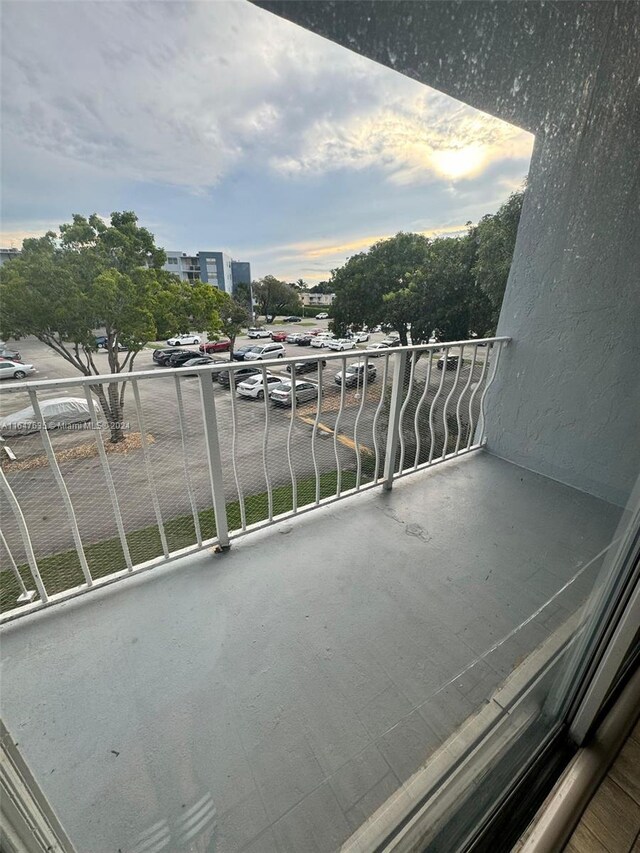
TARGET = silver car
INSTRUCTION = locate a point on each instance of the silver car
(15, 369)
(281, 394)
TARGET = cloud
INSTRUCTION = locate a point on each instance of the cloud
(415, 141)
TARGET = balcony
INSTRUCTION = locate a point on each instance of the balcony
(387, 575)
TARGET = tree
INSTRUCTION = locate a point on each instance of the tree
(273, 297)
(364, 285)
(233, 318)
(242, 295)
(442, 295)
(495, 239)
(322, 287)
(90, 276)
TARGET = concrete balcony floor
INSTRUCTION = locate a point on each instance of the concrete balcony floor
(270, 699)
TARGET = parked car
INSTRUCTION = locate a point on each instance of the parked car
(282, 393)
(391, 341)
(254, 386)
(321, 341)
(451, 362)
(224, 377)
(360, 337)
(12, 355)
(292, 319)
(318, 331)
(179, 359)
(294, 337)
(56, 412)
(305, 366)
(376, 329)
(101, 344)
(183, 340)
(240, 352)
(201, 360)
(216, 346)
(279, 337)
(322, 316)
(341, 344)
(376, 350)
(161, 356)
(258, 332)
(15, 369)
(264, 351)
(304, 340)
(354, 374)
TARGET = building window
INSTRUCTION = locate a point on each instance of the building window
(173, 261)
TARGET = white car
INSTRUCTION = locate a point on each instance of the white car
(254, 386)
(182, 340)
(255, 332)
(360, 337)
(378, 349)
(321, 341)
(341, 344)
(264, 351)
(15, 369)
(322, 316)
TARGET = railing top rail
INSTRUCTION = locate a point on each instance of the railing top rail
(331, 355)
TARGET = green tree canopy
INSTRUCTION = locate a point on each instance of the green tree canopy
(92, 276)
(273, 297)
(494, 238)
(365, 284)
(233, 318)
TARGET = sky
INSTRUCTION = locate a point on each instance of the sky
(225, 127)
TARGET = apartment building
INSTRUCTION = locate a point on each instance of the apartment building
(216, 268)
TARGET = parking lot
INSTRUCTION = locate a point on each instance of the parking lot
(262, 440)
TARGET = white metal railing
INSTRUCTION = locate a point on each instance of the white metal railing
(231, 469)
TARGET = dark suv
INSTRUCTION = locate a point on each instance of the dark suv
(161, 356)
(224, 377)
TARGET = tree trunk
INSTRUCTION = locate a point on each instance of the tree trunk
(111, 409)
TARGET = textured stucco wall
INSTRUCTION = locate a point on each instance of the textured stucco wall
(566, 400)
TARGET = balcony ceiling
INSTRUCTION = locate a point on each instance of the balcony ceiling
(522, 62)
(273, 697)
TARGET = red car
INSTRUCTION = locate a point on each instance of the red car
(280, 337)
(215, 346)
(315, 332)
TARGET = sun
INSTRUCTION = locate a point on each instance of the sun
(459, 162)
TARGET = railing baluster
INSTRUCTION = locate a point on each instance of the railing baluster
(416, 417)
(433, 404)
(414, 359)
(394, 418)
(265, 440)
(357, 422)
(62, 486)
(234, 450)
(376, 443)
(336, 428)
(294, 408)
(462, 394)
(315, 431)
(26, 539)
(212, 443)
(472, 399)
(147, 464)
(113, 497)
(449, 396)
(26, 595)
(185, 461)
(482, 433)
